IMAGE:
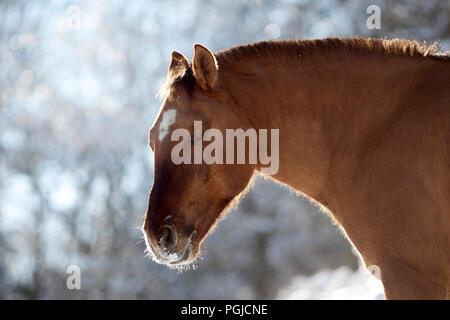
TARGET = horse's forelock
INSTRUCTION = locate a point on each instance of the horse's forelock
(180, 78)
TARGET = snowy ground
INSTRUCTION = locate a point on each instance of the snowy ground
(342, 283)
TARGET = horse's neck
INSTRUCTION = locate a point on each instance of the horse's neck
(320, 109)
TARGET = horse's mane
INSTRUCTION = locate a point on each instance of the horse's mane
(295, 51)
(301, 49)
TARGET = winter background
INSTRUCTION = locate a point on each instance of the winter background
(77, 97)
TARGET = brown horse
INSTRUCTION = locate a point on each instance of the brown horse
(363, 130)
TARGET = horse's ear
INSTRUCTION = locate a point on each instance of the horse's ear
(178, 64)
(205, 67)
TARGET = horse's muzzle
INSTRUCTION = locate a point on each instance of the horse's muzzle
(170, 247)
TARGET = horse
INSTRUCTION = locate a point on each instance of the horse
(363, 132)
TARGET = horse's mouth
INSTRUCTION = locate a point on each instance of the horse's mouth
(184, 256)
(188, 256)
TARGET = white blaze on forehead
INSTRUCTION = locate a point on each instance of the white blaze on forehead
(167, 120)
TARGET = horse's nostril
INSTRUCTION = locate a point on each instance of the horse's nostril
(168, 238)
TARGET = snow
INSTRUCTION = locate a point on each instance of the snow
(340, 284)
